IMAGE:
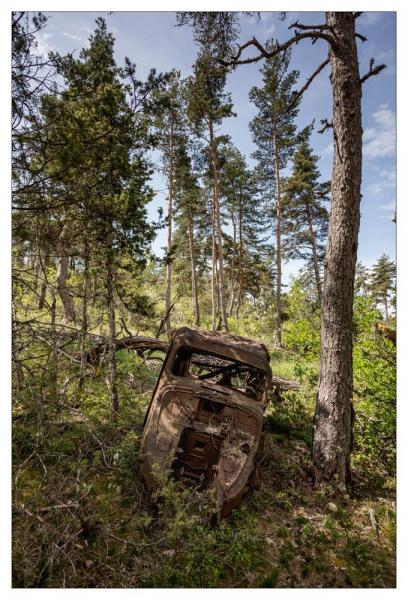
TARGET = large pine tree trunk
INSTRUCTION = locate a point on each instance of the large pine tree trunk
(169, 226)
(194, 287)
(314, 254)
(278, 316)
(217, 215)
(334, 411)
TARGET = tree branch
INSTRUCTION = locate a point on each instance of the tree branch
(264, 53)
(372, 71)
(300, 93)
(297, 25)
(326, 125)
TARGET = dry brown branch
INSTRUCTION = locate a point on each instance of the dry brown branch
(300, 93)
(372, 71)
(264, 53)
(326, 125)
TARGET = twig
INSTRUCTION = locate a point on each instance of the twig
(326, 125)
(300, 93)
(372, 71)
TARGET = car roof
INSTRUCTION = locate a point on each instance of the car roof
(224, 344)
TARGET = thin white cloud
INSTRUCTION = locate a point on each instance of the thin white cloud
(388, 206)
(379, 140)
(384, 185)
(73, 36)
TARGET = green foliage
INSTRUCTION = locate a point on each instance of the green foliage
(301, 331)
(82, 182)
(374, 362)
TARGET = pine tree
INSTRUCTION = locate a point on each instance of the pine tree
(274, 132)
(382, 282)
(189, 207)
(305, 218)
(208, 105)
(170, 125)
(98, 168)
(244, 208)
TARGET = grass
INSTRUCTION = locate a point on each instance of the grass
(82, 518)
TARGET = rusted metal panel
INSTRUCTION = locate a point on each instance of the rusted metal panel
(207, 411)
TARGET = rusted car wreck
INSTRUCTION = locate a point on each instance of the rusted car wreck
(207, 412)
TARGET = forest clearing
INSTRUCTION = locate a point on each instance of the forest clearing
(107, 158)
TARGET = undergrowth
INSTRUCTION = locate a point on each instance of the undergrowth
(82, 517)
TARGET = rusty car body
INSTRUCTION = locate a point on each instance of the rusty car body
(206, 413)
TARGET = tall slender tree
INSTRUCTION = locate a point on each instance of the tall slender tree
(189, 206)
(332, 440)
(245, 209)
(305, 216)
(170, 131)
(208, 105)
(274, 132)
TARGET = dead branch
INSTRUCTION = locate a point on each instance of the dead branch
(163, 320)
(264, 53)
(139, 344)
(326, 125)
(284, 385)
(372, 71)
(297, 25)
(300, 93)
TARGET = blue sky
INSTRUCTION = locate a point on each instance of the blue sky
(150, 39)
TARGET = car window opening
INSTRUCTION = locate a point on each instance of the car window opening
(222, 371)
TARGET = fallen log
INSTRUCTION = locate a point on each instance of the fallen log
(284, 384)
(138, 344)
(141, 344)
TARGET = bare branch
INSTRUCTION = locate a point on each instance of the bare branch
(361, 37)
(300, 93)
(302, 27)
(264, 53)
(326, 125)
(372, 71)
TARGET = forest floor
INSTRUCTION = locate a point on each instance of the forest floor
(82, 518)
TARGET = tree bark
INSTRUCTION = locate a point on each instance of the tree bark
(169, 225)
(194, 287)
(62, 276)
(220, 252)
(213, 277)
(314, 254)
(44, 264)
(386, 307)
(278, 315)
(240, 262)
(84, 328)
(332, 441)
(234, 251)
(112, 368)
